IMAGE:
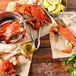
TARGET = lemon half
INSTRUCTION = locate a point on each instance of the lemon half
(53, 1)
(62, 7)
(60, 1)
(58, 9)
(51, 8)
(46, 4)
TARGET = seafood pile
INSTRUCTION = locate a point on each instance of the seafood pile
(33, 14)
(62, 30)
(6, 66)
(10, 30)
(9, 59)
(36, 17)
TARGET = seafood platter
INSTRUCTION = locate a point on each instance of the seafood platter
(23, 22)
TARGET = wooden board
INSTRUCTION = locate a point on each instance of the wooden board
(44, 55)
(69, 20)
(43, 32)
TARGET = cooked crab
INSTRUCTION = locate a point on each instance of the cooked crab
(9, 30)
(6, 66)
(35, 14)
(64, 31)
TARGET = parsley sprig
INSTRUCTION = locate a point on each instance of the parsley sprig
(67, 61)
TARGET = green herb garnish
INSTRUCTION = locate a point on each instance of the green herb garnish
(66, 61)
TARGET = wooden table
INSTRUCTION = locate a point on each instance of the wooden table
(43, 64)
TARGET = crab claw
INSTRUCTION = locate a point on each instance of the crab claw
(2, 52)
(35, 24)
(10, 41)
(52, 30)
(13, 60)
(18, 33)
(69, 45)
(24, 9)
(6, 66)
(67, 33)
(24, 33)
(13, 74)
(2, 38)
(23, 53)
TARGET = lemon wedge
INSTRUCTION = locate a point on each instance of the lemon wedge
(60, 1)
(62, 7)
(53, 1)
(51, 8)
(58, 9)
(46, 4)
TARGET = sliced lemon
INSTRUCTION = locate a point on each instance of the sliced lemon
(62, 7)
(60, 1)
(46, 4)
(58, 9)
(53, 1)
(51, 8)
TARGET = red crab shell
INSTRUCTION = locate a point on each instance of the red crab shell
(6, 66)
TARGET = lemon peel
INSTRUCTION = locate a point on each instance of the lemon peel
(46, 4)
(51, 8)
(58, 9)
(53, 1)
(62, 7)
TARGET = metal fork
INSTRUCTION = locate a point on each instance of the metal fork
(38, 39)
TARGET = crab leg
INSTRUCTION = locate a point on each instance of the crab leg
(12, 54)
(36, 25)
(24, 9)
(3, 52)
(52, 30)
(13, 60)
(6, 66)
(22, 52)
(47, 18)
(69, 49)
(15, 52)
(13, 74)
(24, 34)
(11, 41)
(2, 38)
(67, 33)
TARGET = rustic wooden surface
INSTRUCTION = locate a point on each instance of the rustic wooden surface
(43, 64)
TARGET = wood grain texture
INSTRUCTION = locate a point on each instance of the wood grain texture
(49, 69)
(43, 64)
(71, 3)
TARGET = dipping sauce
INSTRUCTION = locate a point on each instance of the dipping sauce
(29, 48)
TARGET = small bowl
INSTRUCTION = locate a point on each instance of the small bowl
(64, 2)
(7, 16)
